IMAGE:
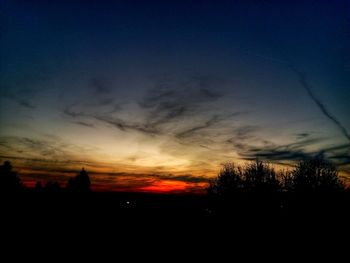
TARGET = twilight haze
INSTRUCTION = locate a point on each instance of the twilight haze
(155, 95)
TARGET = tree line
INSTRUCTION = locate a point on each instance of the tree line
(308, 176)
(11, 182)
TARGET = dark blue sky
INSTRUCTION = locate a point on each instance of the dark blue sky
(174, 86)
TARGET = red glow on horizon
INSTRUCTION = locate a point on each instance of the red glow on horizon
(158, 187)
(168, 186)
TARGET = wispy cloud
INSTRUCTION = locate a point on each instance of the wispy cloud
(303, 135)
(101, 86)
(207, 124)
(213, 120)
(294, 151)
(33, 147)
(21, 97)
(167, 103)
(267, 146)
(85, 124)
(26, 104)
(127, 126)
(68, 111)
(279, 153)
(109, 119)
(51, 149)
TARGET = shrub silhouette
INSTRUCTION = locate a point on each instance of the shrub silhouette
(80, 183)
(9, 180)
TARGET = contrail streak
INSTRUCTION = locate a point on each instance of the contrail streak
(306, 85)
(308, 88)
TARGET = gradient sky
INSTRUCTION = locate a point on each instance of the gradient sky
(155, 95)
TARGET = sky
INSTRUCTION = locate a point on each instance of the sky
(154, 96)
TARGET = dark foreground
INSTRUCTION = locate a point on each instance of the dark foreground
(139, 206)
(117, 222)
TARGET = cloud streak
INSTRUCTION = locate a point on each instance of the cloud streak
(296, 151)
(85, 124)
(212, 121)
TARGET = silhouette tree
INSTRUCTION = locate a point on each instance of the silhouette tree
(9, 180)
(315, 175)
(80, 183)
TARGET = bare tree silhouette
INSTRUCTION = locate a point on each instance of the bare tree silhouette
(311, 175)
(260, 177)
(255, 177)
(257, 188)
(315, 175)
(228, 182)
